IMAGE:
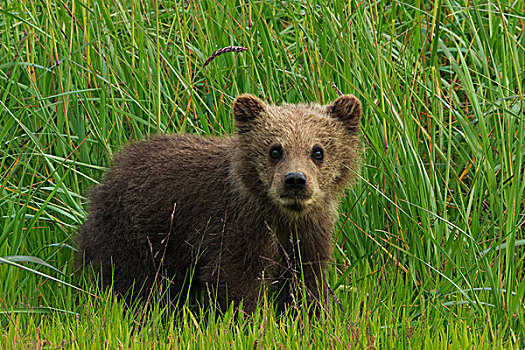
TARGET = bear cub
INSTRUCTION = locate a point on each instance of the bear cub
(227, 215)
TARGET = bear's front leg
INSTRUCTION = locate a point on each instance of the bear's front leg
(315, 288)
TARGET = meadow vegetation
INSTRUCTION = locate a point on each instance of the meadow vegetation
(430, 242)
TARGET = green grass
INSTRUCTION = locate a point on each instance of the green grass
(430, 242)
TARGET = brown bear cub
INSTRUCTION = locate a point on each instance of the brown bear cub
(233, 213)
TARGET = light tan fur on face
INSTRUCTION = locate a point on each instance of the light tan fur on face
(297, 129)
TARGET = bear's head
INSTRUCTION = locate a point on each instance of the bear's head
(297, 156)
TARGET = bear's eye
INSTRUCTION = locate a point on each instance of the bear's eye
(317, 153)
(276, 152)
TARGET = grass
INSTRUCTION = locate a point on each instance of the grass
(429, 245)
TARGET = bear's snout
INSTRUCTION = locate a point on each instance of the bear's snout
(295, 181)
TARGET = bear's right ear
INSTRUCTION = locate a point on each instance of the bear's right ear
(347, 109)
(246, 108)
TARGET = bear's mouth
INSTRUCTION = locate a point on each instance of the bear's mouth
(295, 197)
(295, 201)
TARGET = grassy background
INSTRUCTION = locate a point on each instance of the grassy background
(429, 243)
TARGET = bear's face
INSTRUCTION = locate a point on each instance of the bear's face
(297, 155)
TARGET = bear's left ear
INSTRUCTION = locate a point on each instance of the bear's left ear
(247, 108)
(347, 109)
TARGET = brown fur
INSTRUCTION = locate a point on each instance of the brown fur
(234, 223)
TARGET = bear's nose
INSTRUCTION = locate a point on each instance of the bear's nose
(295, 181)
